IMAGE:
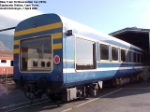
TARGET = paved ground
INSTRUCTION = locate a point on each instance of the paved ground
(12, 97)
(128, 98)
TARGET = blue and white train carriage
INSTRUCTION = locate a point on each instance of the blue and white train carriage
(65, 59)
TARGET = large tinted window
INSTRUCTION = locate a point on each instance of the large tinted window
(114, 54)
(123, 55)
(85, 54)
(36, 53)
(104, 52)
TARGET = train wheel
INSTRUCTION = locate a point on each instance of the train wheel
(2, 80)
(136, 78)
(55, 97)
(29, 95)
(117, 81)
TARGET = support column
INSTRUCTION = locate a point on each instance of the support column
(149, 40)
(149, 46)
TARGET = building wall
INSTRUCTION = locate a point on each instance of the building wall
(6, 71)
(6, 67)
(5, 63)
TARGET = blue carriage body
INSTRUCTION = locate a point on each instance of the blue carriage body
(66, 74)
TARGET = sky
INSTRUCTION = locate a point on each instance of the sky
(106, 16)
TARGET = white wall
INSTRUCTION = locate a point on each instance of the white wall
(7, 64)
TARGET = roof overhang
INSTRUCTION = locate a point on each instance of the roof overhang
(136, 36)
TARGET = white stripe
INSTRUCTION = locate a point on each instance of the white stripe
(69, 70)
(72, 70)
(138, 67)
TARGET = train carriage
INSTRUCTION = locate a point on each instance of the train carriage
(65, 59)
(6, 68)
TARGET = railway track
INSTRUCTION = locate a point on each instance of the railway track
(15, 107)
(6, 80)
(45, 104)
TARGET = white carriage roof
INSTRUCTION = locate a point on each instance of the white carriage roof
(84, 30)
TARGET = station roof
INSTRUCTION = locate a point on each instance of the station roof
(136, 36)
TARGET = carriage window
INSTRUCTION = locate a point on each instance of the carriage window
(114, 54)
(138, 57)
(142, 58)
(123, 55)
(147, 59)
(35, 52)
(85, 54)
(134, 55)
(104, 52)
(11, 63)
(129, 56)
(3, 61)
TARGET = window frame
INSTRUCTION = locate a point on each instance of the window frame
(117, 47)
(94, 56)
(102, 60)
(129, 59)
(20, 55)
(124, 54)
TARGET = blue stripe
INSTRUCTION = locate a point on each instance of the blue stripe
(55, 41)
(16, 46)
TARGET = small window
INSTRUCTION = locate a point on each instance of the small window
(123, 55)
(43, 64)
(129, 56)
(11, 63)
(35, 63)
(114, 54)
(3, 61)
(48, 64)
(104, 52)
(138, 57)
(142, 58)
(135, 58)
(147, 59)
